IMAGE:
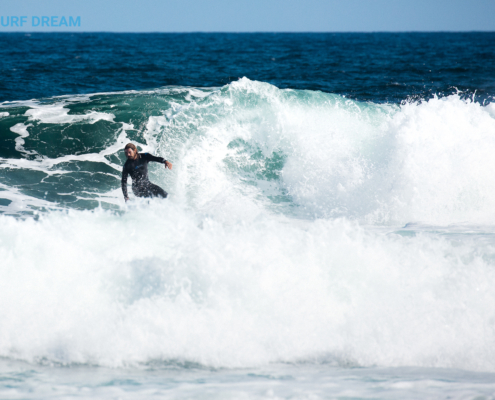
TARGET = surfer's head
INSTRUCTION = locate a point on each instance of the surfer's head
(131, 151)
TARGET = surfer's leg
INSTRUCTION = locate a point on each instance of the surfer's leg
(157, 191)
(149, 190)
(136, 191)
(141, 191)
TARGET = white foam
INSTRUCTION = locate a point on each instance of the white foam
(20, 203)
(154, 128)
(161, 284)
(58, 114)
(22, 130)
(424, 162)
(427, 161)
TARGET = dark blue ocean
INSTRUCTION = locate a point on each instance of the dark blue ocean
(329, 231)
(378, 67)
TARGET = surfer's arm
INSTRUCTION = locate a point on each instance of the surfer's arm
(124, 183)
(161, 160)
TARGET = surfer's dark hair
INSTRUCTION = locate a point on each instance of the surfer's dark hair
(131, 146)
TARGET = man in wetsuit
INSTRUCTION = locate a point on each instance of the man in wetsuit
(137, 167)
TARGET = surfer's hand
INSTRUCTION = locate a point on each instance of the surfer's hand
(168, 165)
(126, 199)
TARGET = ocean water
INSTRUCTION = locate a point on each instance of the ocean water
(329, 234)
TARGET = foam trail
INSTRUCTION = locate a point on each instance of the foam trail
(57, 113)
(23, 133)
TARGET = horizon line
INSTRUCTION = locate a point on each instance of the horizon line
(252, 32)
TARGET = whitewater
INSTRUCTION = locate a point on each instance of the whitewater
(304, 232)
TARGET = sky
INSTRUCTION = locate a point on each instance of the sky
(247, 15)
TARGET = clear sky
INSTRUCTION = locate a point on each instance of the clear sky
(250, 15)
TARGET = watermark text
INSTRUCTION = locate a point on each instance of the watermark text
(39, 21)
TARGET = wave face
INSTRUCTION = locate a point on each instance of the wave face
(304, 153)
(279, 241)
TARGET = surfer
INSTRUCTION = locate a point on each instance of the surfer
(137, 167)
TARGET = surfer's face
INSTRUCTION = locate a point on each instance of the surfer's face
(130, 154)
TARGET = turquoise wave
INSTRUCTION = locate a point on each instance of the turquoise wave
(298, 152)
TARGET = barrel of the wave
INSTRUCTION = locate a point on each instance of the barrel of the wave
(136, 167)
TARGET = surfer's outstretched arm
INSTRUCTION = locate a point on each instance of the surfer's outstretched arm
(150, 157)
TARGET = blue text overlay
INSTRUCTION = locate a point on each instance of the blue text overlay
(41, 21)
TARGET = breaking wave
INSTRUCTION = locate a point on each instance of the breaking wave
(283, 238)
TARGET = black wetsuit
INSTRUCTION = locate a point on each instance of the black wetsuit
(138, 170)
